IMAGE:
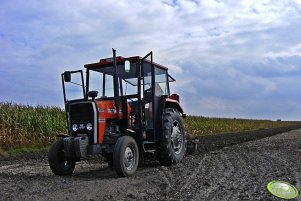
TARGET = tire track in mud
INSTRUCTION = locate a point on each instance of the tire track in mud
(247, 172)
(168, 178)
(193, 176)
(236, 184)
(216, 175)
(199, 177)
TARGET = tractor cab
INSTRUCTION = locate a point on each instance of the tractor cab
(122, 98)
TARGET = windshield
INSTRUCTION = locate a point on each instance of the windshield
(101, 80)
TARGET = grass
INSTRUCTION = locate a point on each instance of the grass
(24, 128)
(14, 152)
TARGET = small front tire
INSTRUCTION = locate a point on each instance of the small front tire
(125, 156)
(58, 162)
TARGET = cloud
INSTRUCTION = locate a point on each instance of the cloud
(291, 51)
(230, 58)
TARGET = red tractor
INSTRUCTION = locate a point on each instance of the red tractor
(123, 111)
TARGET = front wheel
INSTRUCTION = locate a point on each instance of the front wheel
(125, 156)
(58, 162)
(173, 145)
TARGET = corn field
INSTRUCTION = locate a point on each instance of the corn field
(197, 125)
(28, 126)
(25, 126)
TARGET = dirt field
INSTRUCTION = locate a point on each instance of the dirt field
(238, 172)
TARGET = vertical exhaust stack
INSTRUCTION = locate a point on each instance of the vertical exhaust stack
(116, 85)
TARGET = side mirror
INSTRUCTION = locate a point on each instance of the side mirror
(127, 66)
(67, 76)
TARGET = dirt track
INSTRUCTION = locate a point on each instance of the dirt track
(239, 172)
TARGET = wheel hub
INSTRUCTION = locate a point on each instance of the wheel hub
(63, 160)
(129, 159)
(176, 138)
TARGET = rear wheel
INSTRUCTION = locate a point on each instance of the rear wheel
(173, 145)
(125, 156)
(58, 162)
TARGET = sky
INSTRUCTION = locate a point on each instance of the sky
(235, 59)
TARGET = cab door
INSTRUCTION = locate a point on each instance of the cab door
(147, 93)
(73, 86)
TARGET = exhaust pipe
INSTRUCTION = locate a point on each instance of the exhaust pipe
(116, 85)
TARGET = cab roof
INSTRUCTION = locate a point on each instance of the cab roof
(109, 62)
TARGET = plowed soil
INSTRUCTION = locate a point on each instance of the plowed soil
(238, 172)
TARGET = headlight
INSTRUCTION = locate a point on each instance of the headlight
(74, 127)
(89, 126)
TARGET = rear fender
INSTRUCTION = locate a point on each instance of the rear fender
(173, 101)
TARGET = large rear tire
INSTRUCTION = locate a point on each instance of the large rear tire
(58, 162)
(125, 156)
(174, 144)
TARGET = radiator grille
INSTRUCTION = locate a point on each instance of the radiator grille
(81, 114)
